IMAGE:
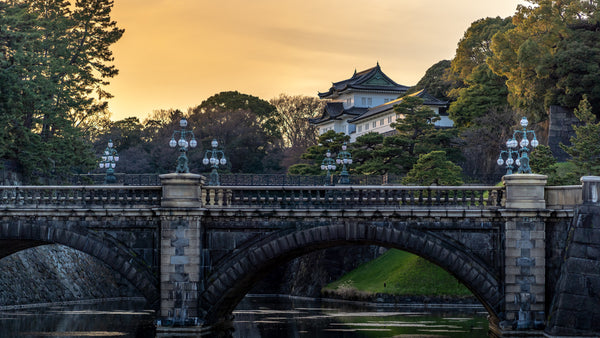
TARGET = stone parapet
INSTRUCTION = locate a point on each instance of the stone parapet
(525, 191)
(591, 190)
(181, 190)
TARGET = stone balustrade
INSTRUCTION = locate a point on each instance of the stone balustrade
(293, 197)
(78, 196)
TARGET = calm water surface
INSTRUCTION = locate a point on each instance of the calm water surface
(283, 317)
(255, 317)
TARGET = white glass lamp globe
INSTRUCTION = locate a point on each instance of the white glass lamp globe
(193, 143)
(510, 161)
(101, 164)
(517, 162)
(223, 161)
(214, 143)
(172, 143)
(524, 122)
(534, 142)
(116, 158)
(524, 143)
(183, 123)
(205, 161)
(500, 161)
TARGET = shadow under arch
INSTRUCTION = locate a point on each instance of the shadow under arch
(236, 275)
(108, 251)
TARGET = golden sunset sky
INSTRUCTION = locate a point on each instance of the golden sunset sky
(177, 53)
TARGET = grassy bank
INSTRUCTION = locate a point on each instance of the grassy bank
(399, 273)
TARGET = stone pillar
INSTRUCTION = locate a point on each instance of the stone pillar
(181, 190)
(180, 249)
(525, 252)
(591, 189)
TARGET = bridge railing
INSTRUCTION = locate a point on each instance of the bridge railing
(83, 196)
(294, 197)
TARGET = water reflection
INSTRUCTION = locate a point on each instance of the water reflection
(261, 317)
(255, 317)
(107, 319)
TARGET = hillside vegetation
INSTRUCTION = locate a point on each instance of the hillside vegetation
(399, 273)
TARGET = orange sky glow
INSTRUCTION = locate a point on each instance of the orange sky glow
(177, 53)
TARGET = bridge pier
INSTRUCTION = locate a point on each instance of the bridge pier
(525, 253)
(180, 244)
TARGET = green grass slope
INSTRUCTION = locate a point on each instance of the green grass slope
(400, 273)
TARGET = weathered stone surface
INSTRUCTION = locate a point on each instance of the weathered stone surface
(56, 273)
(577, 294)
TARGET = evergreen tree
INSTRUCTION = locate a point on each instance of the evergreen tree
(54, 61)
(434, 168)
(585, 145)
(313, 156)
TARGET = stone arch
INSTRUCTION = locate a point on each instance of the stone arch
(231, 280)
(22, 236)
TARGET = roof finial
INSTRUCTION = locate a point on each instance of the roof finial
(354, 72)
(377, 63)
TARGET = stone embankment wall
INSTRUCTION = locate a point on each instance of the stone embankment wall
(54, 273)
(575, 310)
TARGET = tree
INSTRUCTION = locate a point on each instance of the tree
(436, 81)
(542, 161)
(483, 141)
(533, 55)
(297, 134)
(483, 92)
(474, 48)
(434, 168)
(417, 133)
(54, 62)
(264, 113)
(246, 127)
(585, 145)
(371, 155)
(313, 156)
(293, 113)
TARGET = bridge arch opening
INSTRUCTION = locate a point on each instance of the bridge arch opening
(233, 279)
(52, 273)
(105, 249)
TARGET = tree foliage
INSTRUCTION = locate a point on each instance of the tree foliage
(293, 113)
(314, 155)
(483, 92)
(246, 128)
(434, 168)
(483, 141)
(436, 81)
(537, 55)
(54, 63)
(585, 145)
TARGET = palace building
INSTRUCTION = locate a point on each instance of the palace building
(365, 103)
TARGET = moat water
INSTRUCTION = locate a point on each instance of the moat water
(255, 317)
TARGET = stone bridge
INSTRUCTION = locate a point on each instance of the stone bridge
(195, 251)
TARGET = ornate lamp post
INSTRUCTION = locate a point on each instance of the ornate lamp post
(214, 162)
(109, 161)
(182, 160)
(344, 158)
(511, 160)
(328, 164)
(522, 160)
